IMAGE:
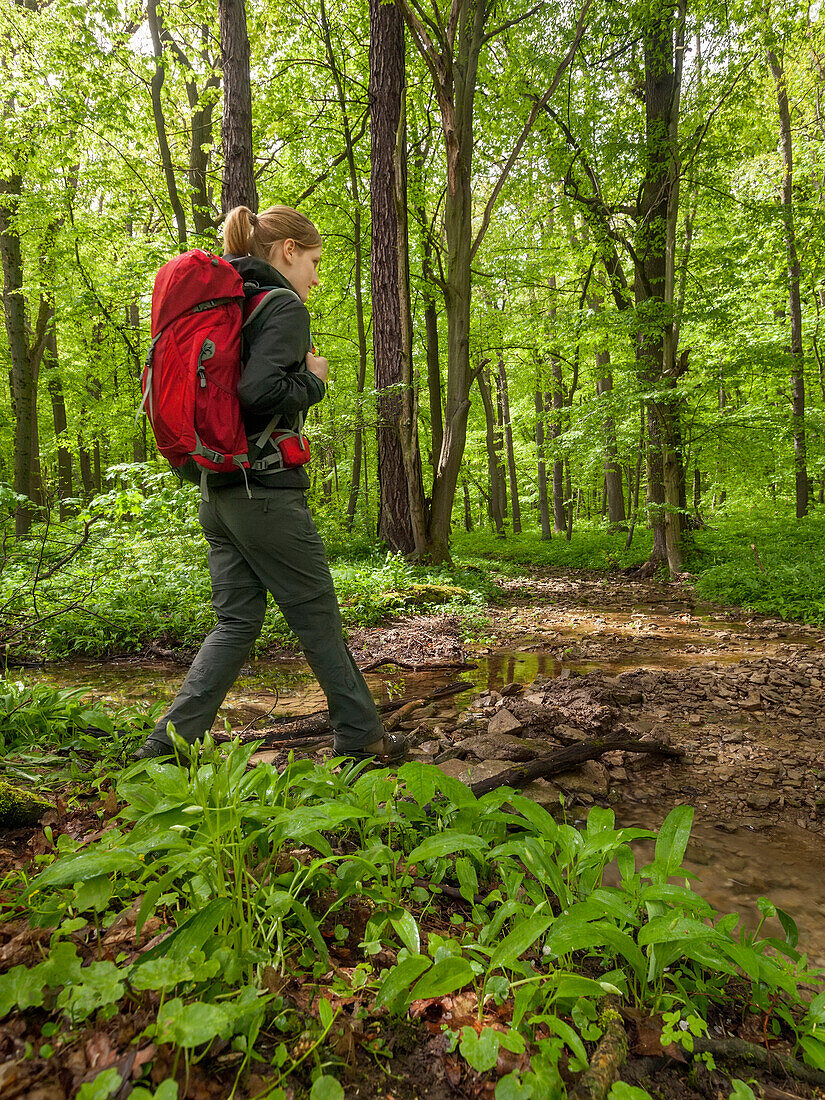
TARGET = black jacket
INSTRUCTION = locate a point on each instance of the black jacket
(274, 378)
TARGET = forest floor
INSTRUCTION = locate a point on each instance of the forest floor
(741, 699)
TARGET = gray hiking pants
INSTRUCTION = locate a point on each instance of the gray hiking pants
(270, 544)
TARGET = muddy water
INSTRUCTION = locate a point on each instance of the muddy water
(734, 866)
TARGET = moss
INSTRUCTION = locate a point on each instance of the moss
(419, 596)
(19, 807)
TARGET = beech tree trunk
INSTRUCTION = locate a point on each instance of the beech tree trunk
(64, 454)
(612, 468)
(238, 188)
(794, 298)
(541, 400)
(158, 77)
(512, 476)
(495, 469)
(358, 273)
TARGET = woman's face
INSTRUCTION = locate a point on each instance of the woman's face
(300, 266)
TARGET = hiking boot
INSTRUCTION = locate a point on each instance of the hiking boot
(153, 750)
(390, 748)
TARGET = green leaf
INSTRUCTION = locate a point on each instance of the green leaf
(443, 844)
(674, 928)
(21, 988)
(407, 931)
(102, 1087)
(192, 934)
(511, 1088)
(162, 974)
(467, 878)
(481, 1051)
(326, 1088)
(568, 1034)
(446, 976)
(622, 1091)
(168, 1090)
(325, 1013)
(420, 780)
(673, 838)
(400, 979)
(788, 927)
(191, 1025)
(455, 791)
(93, 894)
(307, 920)
(814, 1051)
(100, 984)
(741, 1090)
(85, 865)
(514, 944)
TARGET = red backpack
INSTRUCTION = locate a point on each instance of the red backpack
(190, 381)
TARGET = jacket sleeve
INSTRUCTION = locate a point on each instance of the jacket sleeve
(275, 378)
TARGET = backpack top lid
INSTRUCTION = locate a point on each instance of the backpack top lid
(189, 279)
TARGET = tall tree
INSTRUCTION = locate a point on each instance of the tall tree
(797, 353)
(238, 187)
(451, 44)
(402, 508)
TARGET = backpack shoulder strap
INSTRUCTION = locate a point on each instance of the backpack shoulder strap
(256, 302)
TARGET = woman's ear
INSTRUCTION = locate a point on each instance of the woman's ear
(288, 248)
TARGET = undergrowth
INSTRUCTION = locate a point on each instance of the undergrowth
(131, 571)
(286, 923)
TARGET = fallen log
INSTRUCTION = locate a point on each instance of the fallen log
(316, 726)
(569, 757)
(20, 807)
(412, 666)
(749, 1054)
(607, 1059)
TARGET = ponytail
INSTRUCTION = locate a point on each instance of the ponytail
(246, 233)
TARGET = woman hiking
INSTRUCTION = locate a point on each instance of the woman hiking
(261, 536)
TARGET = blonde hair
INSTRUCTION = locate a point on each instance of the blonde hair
(246, 233)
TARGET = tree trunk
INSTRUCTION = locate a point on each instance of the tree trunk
(64, 454)
(402, 508)
(541, 399)
(433, 360)
(167, 163)
(358, 274)
(468, 512)
(494, 466)
(238, 188)
(25, 359)
(508, 441)
(84, 461)
(654, 281)
(794, 298)
(139, 441)
(612, 469)
(559, 512)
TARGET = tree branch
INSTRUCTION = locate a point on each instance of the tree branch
(538, 106)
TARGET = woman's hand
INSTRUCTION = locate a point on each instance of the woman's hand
(317, 365)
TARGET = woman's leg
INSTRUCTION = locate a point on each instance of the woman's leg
(278, 539)
(239, 600)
